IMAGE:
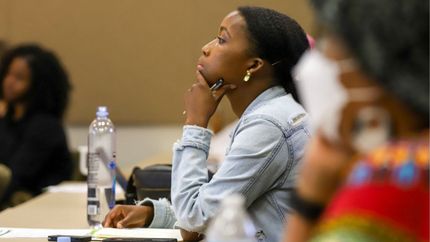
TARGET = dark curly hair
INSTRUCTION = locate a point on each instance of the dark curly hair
(389, 39)
(49, 88)
(278, 39)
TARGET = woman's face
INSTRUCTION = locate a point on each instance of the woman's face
(353, 116)
(228, 55)
(16, 81)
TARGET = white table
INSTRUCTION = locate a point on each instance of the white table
(51, 210)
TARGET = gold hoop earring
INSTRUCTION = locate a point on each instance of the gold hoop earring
(247, 76)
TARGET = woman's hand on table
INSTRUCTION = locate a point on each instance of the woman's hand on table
(191, 236)
(129, 216)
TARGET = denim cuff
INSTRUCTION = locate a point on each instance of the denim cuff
(197, 137)
(163, 213)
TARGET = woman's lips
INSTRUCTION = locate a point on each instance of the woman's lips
(200, 67)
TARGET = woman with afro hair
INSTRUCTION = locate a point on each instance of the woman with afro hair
(34, 92)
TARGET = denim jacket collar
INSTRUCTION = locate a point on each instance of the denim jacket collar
(273, 92)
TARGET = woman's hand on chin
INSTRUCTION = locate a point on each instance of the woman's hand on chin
(201, 103)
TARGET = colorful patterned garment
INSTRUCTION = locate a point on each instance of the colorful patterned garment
(385, 199)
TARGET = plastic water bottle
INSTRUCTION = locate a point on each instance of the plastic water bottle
(101, 177)
(232, 224)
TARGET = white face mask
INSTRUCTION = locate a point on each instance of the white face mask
(318, 84)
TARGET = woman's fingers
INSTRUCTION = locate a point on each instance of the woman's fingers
(129, 216)
(201, 80)
(132, 220)
(191, 236)
(219, 94)
(123, 223)
(107, 221)
(133, 217)
(201, 102)
(112, 217)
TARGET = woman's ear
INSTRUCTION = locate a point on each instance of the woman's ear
(255, 64)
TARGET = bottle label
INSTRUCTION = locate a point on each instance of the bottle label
(93, 167)
(92, 210)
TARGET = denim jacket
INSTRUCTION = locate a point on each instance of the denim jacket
(261, 163)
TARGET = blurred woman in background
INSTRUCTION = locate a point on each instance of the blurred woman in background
(367, 92)
(34, 93)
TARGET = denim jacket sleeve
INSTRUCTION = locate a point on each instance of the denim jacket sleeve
(251, 156)
(164, 217)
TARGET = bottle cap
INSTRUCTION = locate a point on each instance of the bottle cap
(102, 111)
(64, 239)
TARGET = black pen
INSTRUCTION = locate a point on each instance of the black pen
(217, 84)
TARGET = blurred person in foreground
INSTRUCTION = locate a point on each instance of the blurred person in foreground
(34, 93)
(365, 176)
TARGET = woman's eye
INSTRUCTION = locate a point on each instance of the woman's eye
(220, 40)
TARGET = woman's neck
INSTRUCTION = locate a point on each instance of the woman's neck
(19, 111)
(243, 96)
(3, 108)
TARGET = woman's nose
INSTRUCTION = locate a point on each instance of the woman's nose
(206, 48)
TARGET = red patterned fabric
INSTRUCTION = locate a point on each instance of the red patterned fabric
(390, 191)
